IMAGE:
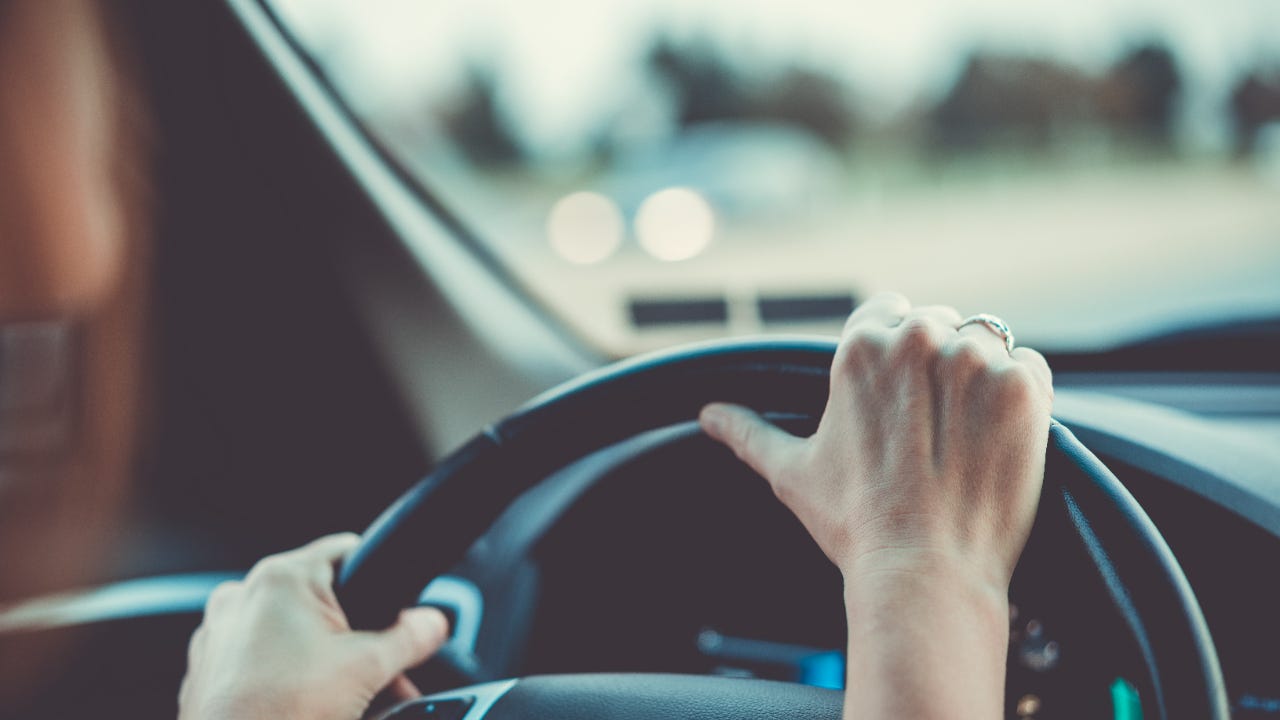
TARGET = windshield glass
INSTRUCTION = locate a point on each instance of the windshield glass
(658, 171)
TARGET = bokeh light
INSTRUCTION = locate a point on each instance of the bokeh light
(675, 224)
(585, 227)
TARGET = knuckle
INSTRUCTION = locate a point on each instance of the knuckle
(1035, 361)
(860, 348)
(1015, 388)
(274, 571)
(222, 595)
(919, 328)
(967, 356)
(918, 337)
(1030, 355)
(348, 537)
(328, 544)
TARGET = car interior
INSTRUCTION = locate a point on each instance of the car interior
(353, 292)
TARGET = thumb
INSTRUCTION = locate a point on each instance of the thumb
(763, 446)
(417, 635)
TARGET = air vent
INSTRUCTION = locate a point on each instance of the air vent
(679, 311)
(805, 308)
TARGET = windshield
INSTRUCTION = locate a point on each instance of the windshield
(659, 171)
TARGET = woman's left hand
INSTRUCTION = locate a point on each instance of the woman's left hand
(277, 645)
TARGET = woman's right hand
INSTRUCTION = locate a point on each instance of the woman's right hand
(920, 484)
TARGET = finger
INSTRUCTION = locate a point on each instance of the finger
(319, 558)
(926, 332)
(222, 595)
(327, 549)
(764, 447)
(1038, 365)
(417, 635)
(986, 339)
(330, 548)
(326, 554)
(886, 308)
(310, 566)
(402, 689)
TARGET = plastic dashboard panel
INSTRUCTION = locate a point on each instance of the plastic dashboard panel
(1227, 468)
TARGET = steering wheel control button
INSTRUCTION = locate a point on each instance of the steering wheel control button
(452, 709)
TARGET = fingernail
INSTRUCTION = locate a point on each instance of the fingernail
(431, 620)
(712, 417)
(440, 619)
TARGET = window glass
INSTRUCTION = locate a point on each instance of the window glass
(655, 171)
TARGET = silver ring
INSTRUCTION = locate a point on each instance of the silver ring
(995, 324)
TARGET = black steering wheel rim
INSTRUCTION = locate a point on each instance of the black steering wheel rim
(433, 524)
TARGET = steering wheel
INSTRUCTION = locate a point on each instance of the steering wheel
(429, 529)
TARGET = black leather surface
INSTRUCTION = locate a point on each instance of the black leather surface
(662, 697)
(429, 529)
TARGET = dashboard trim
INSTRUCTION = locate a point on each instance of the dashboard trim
(483, 698)
(188, 593)
(1233, 470)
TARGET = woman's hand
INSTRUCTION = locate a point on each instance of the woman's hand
(921, 485)
(278, 645)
